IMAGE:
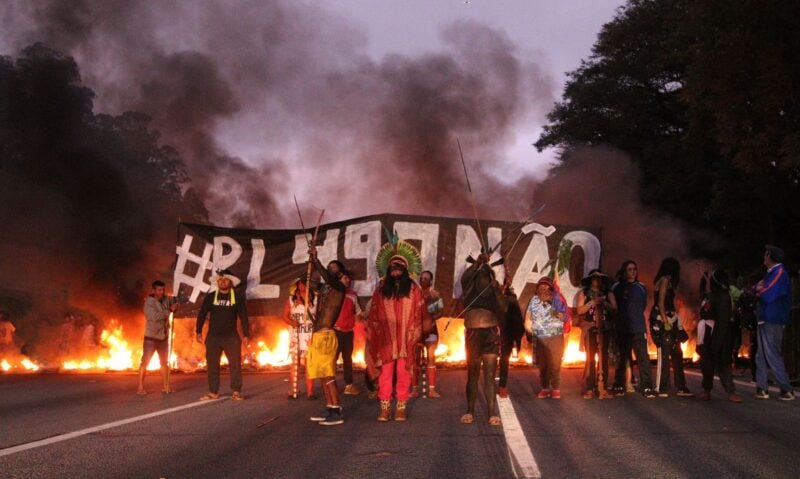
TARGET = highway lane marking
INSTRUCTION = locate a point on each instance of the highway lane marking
(72, 435)
(518, 449)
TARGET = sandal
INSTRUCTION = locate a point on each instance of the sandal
(209, 396)
(237, 396)
(494, 421)
(167, 391)
(467, 418)
(141, 392)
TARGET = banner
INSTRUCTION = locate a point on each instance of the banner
(268, 261)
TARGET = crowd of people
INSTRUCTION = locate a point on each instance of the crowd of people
(401, 332)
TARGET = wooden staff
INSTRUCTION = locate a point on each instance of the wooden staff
(309, 267)
(472, 199)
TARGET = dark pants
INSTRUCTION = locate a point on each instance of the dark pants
(670, 353)
(346, 350)
(591, 351)
(232, 346)
(506, 346)
(715, 357)
(482, 345)
(637, 342)
(549, 353)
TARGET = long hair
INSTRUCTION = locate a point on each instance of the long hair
(396, 287)
(669, 267)
(621, 272)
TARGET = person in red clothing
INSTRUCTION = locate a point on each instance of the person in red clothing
(344, 332)
(395, 324)
(435, 306)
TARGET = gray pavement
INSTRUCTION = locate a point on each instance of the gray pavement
(269, 436)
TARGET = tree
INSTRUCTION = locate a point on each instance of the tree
(704, 97)
(89, 202)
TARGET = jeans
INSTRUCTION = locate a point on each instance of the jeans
(769, 355)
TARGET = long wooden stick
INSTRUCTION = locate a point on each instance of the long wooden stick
(472, 199)
(309, 267)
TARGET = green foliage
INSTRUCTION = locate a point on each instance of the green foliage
(705, 98)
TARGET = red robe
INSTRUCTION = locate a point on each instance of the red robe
(394, 326)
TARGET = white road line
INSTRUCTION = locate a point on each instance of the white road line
(518, 448)
(71, 435)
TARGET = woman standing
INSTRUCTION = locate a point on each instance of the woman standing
(545, 319)
(667, 330)
(294, 314)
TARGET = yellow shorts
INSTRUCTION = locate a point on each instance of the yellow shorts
(321, 360)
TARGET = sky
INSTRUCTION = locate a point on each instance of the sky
(266, 99)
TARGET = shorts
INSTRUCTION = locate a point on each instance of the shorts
(150, 346)
(480, 341)
(321, 360)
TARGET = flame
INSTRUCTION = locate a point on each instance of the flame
(114, 354)
(15, 364)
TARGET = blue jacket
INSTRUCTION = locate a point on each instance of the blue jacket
(775, 300)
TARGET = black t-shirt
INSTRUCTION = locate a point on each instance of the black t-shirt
(222, 312)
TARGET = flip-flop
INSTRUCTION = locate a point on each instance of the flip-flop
(209, 396)
(237, 396)
(141, 392)
(494, 421)
(467, 419)
(167, 391)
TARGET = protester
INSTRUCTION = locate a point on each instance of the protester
(321, 362)
(395, 324)
(294, 314)
(430, 333)
(545, 319)
(774, 307)
(512, 328)
(7, 330)
(345, 324)
(630, 298)
(221, 308)
(157, 309)
(596, 308)
(714, 335)
(667, 330)
(485, 305)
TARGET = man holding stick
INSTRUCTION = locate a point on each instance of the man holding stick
(157, 309)
(324, 345)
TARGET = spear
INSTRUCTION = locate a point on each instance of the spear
(308, 287)
(472, 197)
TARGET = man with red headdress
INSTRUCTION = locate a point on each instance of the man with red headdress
(395, 324)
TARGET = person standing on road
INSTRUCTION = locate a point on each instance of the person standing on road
(512, 329)
(667, 330)
(321, 362)
(294, 314)
(344, 327)
(395, 324)
(774, 309)
(545, 319)
(630, 297)
(595, 307)
(485, 306)
(435, 305)
(221, 308)
(157, 309)
(714, 335)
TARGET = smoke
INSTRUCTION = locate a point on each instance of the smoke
(600, 187)
(265, 99)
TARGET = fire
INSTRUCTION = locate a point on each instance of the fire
(114, 354)
(279, 355)
(18, 364)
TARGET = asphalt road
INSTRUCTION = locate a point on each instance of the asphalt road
(269, 436)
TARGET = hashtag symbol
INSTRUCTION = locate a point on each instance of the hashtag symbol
(203, 263)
